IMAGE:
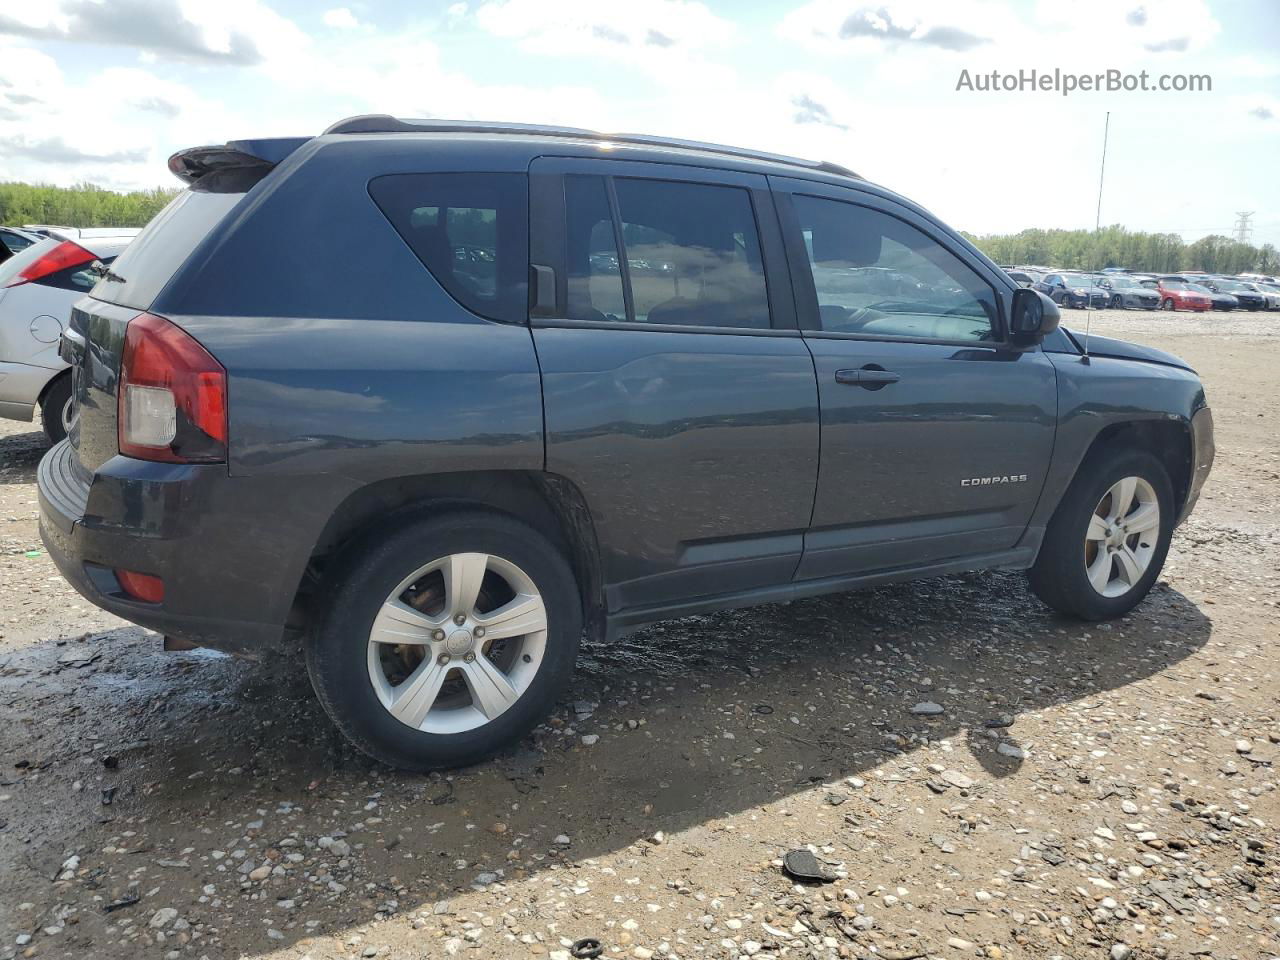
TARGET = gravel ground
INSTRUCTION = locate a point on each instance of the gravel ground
(1078, 790)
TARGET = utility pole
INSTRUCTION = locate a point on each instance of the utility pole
(1242, 230)
(1106, 129)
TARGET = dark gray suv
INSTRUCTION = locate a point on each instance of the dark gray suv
(435, 398)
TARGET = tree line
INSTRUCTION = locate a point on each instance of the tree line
(1117, 247)
(84, 205)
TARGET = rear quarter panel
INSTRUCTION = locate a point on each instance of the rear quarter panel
(347, 362)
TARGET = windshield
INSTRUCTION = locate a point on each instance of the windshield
(1198, 288)
(1123, 283)
(1233, 287)
(1175, 284)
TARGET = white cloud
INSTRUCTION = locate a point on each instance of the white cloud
(47, 134)
(867, 84)
(954, 27)
(610, 28)
(341, 18)
(233, 32)
(1082, 36)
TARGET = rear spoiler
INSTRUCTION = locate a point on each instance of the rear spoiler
(197, 162)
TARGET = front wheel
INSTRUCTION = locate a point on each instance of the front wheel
(446, 639)
(1108, 539)
(1116, 302)
(1168, 304)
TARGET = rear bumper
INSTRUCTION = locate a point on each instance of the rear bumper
(20, 387)
(225, 585)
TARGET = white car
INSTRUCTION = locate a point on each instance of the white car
(38, 286)
(1272, 293)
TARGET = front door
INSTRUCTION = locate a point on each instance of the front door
(936, 433)
(679, 396)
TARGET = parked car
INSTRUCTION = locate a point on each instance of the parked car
(1074, 290)
(1248, 294)
(1178, 293)
(13, 240)
(437, 481)
(1127, 292)
(1217, 301)
(48, 229)
(1022, 278)
(37, 289)
(1272, 292)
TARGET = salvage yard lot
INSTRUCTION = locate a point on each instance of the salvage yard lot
(1102, 790)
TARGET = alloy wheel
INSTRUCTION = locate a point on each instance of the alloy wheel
(1120, 542)
(457, 643)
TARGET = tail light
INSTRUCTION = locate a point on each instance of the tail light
(64, 255)
(172, 395)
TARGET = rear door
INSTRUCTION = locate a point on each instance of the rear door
(936, 432)
(679, 396)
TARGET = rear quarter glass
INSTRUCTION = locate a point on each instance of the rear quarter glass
(470, 230)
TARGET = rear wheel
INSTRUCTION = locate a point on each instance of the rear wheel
(1108, 539)
(446, 640)
(55, 409)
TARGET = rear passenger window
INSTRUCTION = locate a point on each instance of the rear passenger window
(878, 275)
(691, 252)
(470, 230)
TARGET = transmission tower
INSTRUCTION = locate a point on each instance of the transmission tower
(1243, 229)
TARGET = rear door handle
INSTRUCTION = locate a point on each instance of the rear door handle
(869, 377)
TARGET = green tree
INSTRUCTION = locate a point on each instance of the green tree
(1115, 246)
(84, 205)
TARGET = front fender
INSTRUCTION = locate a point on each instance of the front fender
(1097, 393)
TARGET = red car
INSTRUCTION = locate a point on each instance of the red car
(1177, 294)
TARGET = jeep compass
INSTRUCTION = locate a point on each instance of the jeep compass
(434, 399)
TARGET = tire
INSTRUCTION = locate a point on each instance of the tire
(55, 409)
(1117, 303)
(1061, 574)
(1167, 304)
(343, 670)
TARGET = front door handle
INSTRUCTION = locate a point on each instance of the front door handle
(870, 377)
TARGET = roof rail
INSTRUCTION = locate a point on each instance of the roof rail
(384, 123)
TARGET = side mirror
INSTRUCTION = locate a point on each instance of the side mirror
(1032, 317)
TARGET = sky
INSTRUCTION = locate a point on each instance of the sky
(104, 90)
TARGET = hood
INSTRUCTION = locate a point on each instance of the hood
(1123, 350)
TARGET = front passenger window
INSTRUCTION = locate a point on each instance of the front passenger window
(877, 275)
